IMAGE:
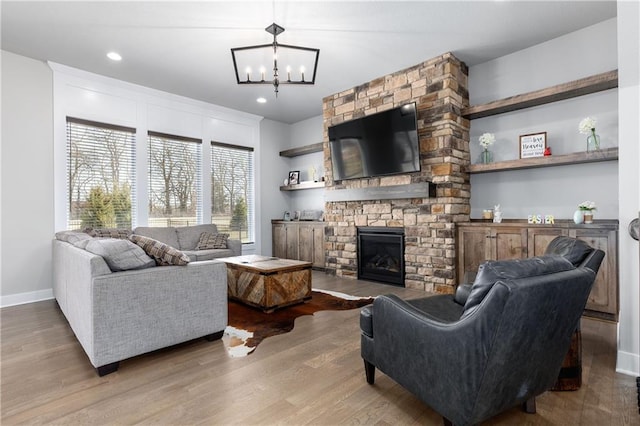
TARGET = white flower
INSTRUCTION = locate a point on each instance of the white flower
(587, 125)
(487, 139)
(587, 205)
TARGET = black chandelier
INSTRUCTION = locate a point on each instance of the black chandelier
(251, 60)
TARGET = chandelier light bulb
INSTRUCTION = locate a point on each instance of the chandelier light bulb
(248, 70)
(262, 71)
(288, 73)
(302, 72)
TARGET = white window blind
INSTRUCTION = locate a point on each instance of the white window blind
(175, 184)
(100, 175)
(232, 191)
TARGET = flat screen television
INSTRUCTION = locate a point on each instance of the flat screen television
(380, 144)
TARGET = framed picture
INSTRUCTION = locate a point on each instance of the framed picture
(294, 177)
(533, 145)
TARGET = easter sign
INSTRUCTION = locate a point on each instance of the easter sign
(533, 145)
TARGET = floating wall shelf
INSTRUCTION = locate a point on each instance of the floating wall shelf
(302, 185)
(609, 154)
(572, 89)
(303, 150)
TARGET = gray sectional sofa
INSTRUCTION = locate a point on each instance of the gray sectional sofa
(117, 314)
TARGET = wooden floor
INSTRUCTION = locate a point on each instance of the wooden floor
(313, 375)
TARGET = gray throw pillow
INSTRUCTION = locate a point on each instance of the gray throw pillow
(73, 237)
(120, 255)
(501, 270)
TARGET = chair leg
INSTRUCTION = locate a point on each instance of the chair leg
(446, 421)
(529, 406)
(370, 372)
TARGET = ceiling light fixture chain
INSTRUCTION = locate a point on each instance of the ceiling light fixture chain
(250, 58)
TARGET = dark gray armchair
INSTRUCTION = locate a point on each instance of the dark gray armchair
(500, 348)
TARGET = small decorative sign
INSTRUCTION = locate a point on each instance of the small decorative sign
(537, 219)
(533, 145)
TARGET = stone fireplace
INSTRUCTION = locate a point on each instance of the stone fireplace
(435, 199)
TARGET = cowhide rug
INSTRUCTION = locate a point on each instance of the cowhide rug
(249, 326)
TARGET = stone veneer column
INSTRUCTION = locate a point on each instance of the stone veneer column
(439, 88)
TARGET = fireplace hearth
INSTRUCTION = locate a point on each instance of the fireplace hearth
(381, 254)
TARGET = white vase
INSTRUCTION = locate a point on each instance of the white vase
(578, 218)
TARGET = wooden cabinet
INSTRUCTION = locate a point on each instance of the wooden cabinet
(299, 241)
(604, 294)
(478, 241)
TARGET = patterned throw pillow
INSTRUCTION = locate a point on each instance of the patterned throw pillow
(212, 241)
(162, 253)
(120, 233)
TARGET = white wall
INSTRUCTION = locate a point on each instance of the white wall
(34, 155)
(553, 190)
(27, 184)
(628, 360)
(307, 132)
(274, 137)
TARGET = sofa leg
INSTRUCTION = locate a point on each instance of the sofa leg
(214, 336)
(529, 406)
(370, 372)
(103, 370)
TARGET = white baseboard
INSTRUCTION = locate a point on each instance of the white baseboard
(628, 363)
(28, 297)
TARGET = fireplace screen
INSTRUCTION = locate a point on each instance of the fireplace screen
(381, 254)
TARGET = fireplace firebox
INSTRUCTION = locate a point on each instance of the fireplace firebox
(381, 254)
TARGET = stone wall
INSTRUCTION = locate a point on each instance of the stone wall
(439, 88)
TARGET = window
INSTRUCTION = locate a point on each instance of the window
(100, 175)
(175, 187)
(232, 191)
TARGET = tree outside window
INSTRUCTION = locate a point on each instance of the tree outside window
(175, 189)
(100, 175)
(232, 190)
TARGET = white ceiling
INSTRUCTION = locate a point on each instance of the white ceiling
(184, 47)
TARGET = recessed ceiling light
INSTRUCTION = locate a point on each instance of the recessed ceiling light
(114, 56)
(261, 100)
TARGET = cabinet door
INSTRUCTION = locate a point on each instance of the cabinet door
(279, 240)
(604, 294)
(305, 243)
(292, 241)
(474, 247)
(539, 239)
(509, 243)
(318, 246)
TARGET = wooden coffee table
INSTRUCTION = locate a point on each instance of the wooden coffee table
(266, 282)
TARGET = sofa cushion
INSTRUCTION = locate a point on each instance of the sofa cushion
(165, 235)
(572, 249)
(499, 270)
(189, 236)
(198, 255)
(120, 255)
(121, 233)
(212, 241)
(161, 252)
